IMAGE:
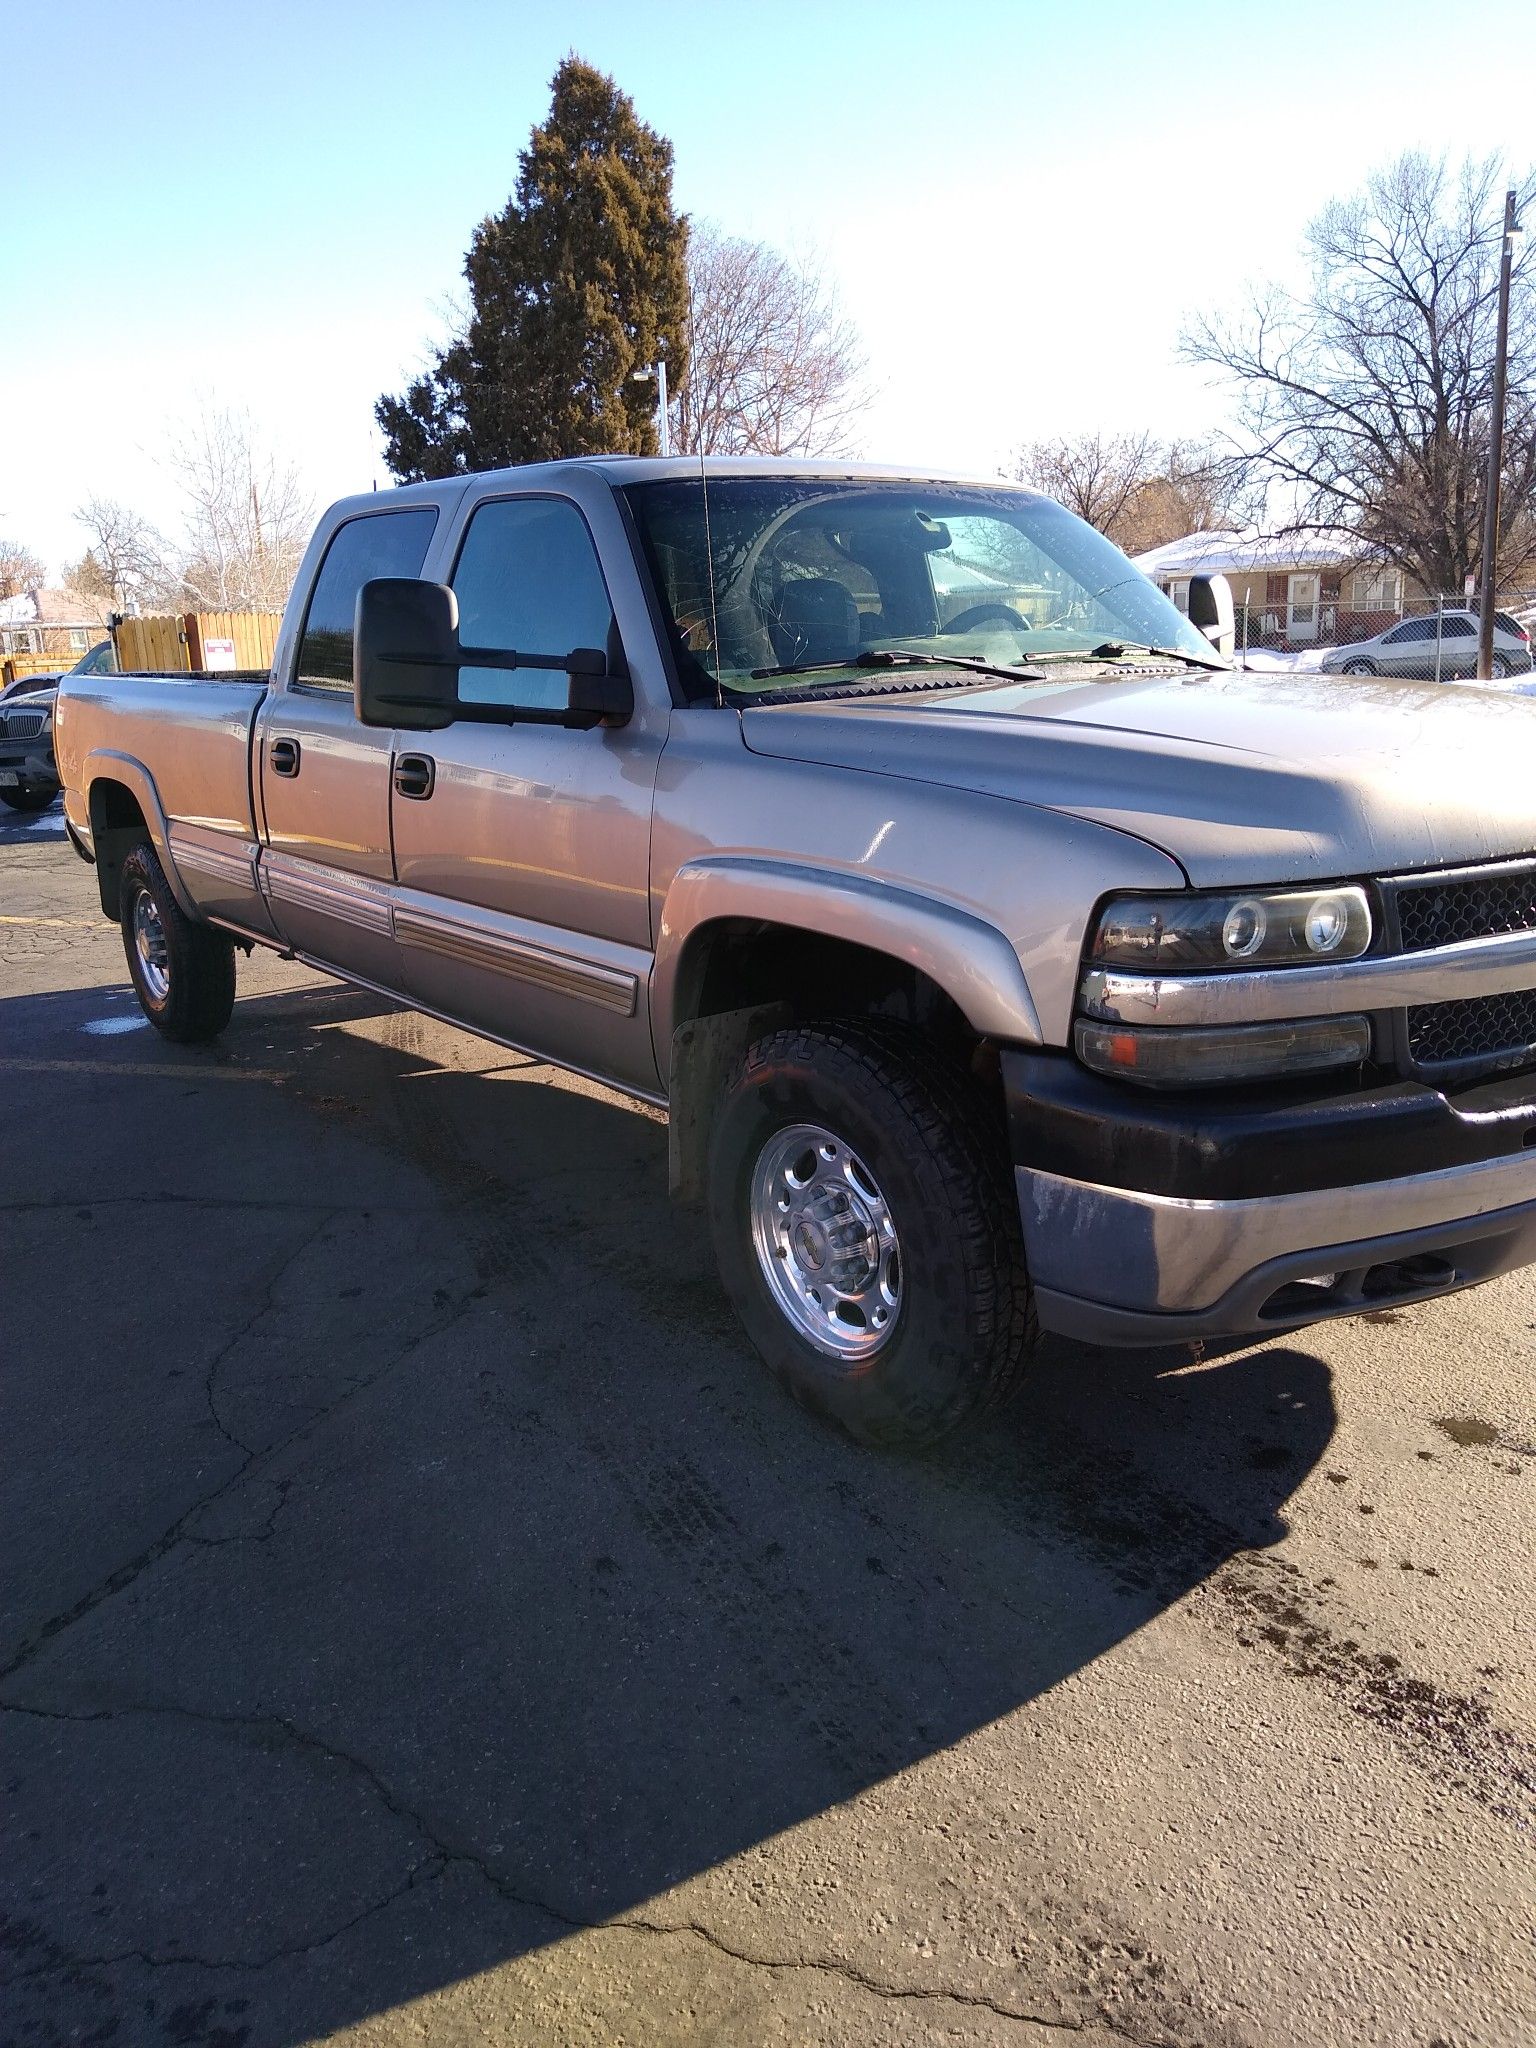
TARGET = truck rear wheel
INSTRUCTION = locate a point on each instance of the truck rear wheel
(867, 1232)
(183, 973)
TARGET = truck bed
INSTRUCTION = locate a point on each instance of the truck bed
(195, 730)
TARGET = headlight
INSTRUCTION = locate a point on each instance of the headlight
(1210, 1058)
(1258, 928)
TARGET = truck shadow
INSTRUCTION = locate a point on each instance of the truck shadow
(504, 1594)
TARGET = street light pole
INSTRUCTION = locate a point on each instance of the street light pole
(1487, 579)
(658, 372)
(663, 425)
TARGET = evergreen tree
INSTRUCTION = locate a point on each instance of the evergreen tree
(577, 284)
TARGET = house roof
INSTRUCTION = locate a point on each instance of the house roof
(44, 607)
(1248, 548)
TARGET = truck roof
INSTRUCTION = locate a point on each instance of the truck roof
(637, 469)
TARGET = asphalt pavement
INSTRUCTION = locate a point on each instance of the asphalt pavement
(422, 1622)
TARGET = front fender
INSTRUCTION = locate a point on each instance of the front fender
(969, 959)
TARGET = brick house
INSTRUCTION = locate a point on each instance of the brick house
(62, 623)
(1290, 590)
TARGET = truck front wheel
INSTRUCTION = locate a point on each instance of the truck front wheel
(867, 1232)
(183, 973)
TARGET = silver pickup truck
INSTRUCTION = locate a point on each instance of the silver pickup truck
(1002, 957)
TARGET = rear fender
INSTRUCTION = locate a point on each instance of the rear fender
(103, 766)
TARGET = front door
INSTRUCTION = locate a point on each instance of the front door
(324, 777)
(522, 851)
(1301, 608)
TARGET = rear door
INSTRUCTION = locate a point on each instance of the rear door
(522, 851)
(324, 777)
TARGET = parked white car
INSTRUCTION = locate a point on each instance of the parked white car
(1410, 649)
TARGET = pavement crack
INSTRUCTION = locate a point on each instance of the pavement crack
(881, 1987)
(443, 1853)
(178, 1531)
(62, 1960)
(263, 1308)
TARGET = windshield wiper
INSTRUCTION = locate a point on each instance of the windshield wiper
(900, 657)
(1127, 650)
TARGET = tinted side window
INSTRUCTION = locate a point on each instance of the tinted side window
(378, 544)
(1458, 629)
(528, 580)
(1412, 629)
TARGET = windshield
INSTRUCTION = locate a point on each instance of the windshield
(813, 573)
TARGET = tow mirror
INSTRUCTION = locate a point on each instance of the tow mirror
(405, 662)
(407, 657)
(1212, 610)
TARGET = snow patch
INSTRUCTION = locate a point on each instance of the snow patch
(1283, 661)
(111, 1027)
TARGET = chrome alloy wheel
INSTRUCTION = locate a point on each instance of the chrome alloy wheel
(825, 1241)
(150, 944)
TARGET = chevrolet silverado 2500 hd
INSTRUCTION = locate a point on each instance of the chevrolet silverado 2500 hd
(1001, 955)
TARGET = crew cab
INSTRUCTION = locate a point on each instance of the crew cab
(1001, 955)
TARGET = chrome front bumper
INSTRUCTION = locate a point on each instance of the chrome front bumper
(1119, 1266)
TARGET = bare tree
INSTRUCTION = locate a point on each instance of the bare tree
(248, 516)
(1367, 398)
(20, 569)
(774, 366)
(1195, 488)
(1137, 490)
(133, 564)
(1097, 476)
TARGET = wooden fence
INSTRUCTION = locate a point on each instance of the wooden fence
(198, 641)
(17, 667)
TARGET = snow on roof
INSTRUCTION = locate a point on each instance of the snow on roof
(1247, 548)
(43, 607)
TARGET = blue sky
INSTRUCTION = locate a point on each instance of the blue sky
(268, 207)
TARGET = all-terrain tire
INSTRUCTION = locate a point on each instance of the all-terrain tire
(29, 796)
(934, 1145)
(183, 973)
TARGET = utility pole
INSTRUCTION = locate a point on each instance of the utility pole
(1487, 581)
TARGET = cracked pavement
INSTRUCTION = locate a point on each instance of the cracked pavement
(422, 1622)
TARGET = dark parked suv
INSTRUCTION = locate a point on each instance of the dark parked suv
(28, 778)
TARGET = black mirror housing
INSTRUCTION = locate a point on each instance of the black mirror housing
(407, 655)
(405, 659)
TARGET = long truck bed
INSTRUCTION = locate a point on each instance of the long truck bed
(200, 802)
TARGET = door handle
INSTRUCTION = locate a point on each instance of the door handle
(415, 776)
(284, 757)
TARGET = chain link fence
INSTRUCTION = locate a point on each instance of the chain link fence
(1424, 639)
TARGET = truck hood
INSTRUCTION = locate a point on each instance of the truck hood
(1243, 779)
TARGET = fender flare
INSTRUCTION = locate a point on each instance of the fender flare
(968, 958)
(106, 764)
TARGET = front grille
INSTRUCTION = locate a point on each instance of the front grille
(22, 725)
(1488, 1034)
(1467, 906)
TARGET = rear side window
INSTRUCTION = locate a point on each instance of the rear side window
(378, 544)
(528, 581)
